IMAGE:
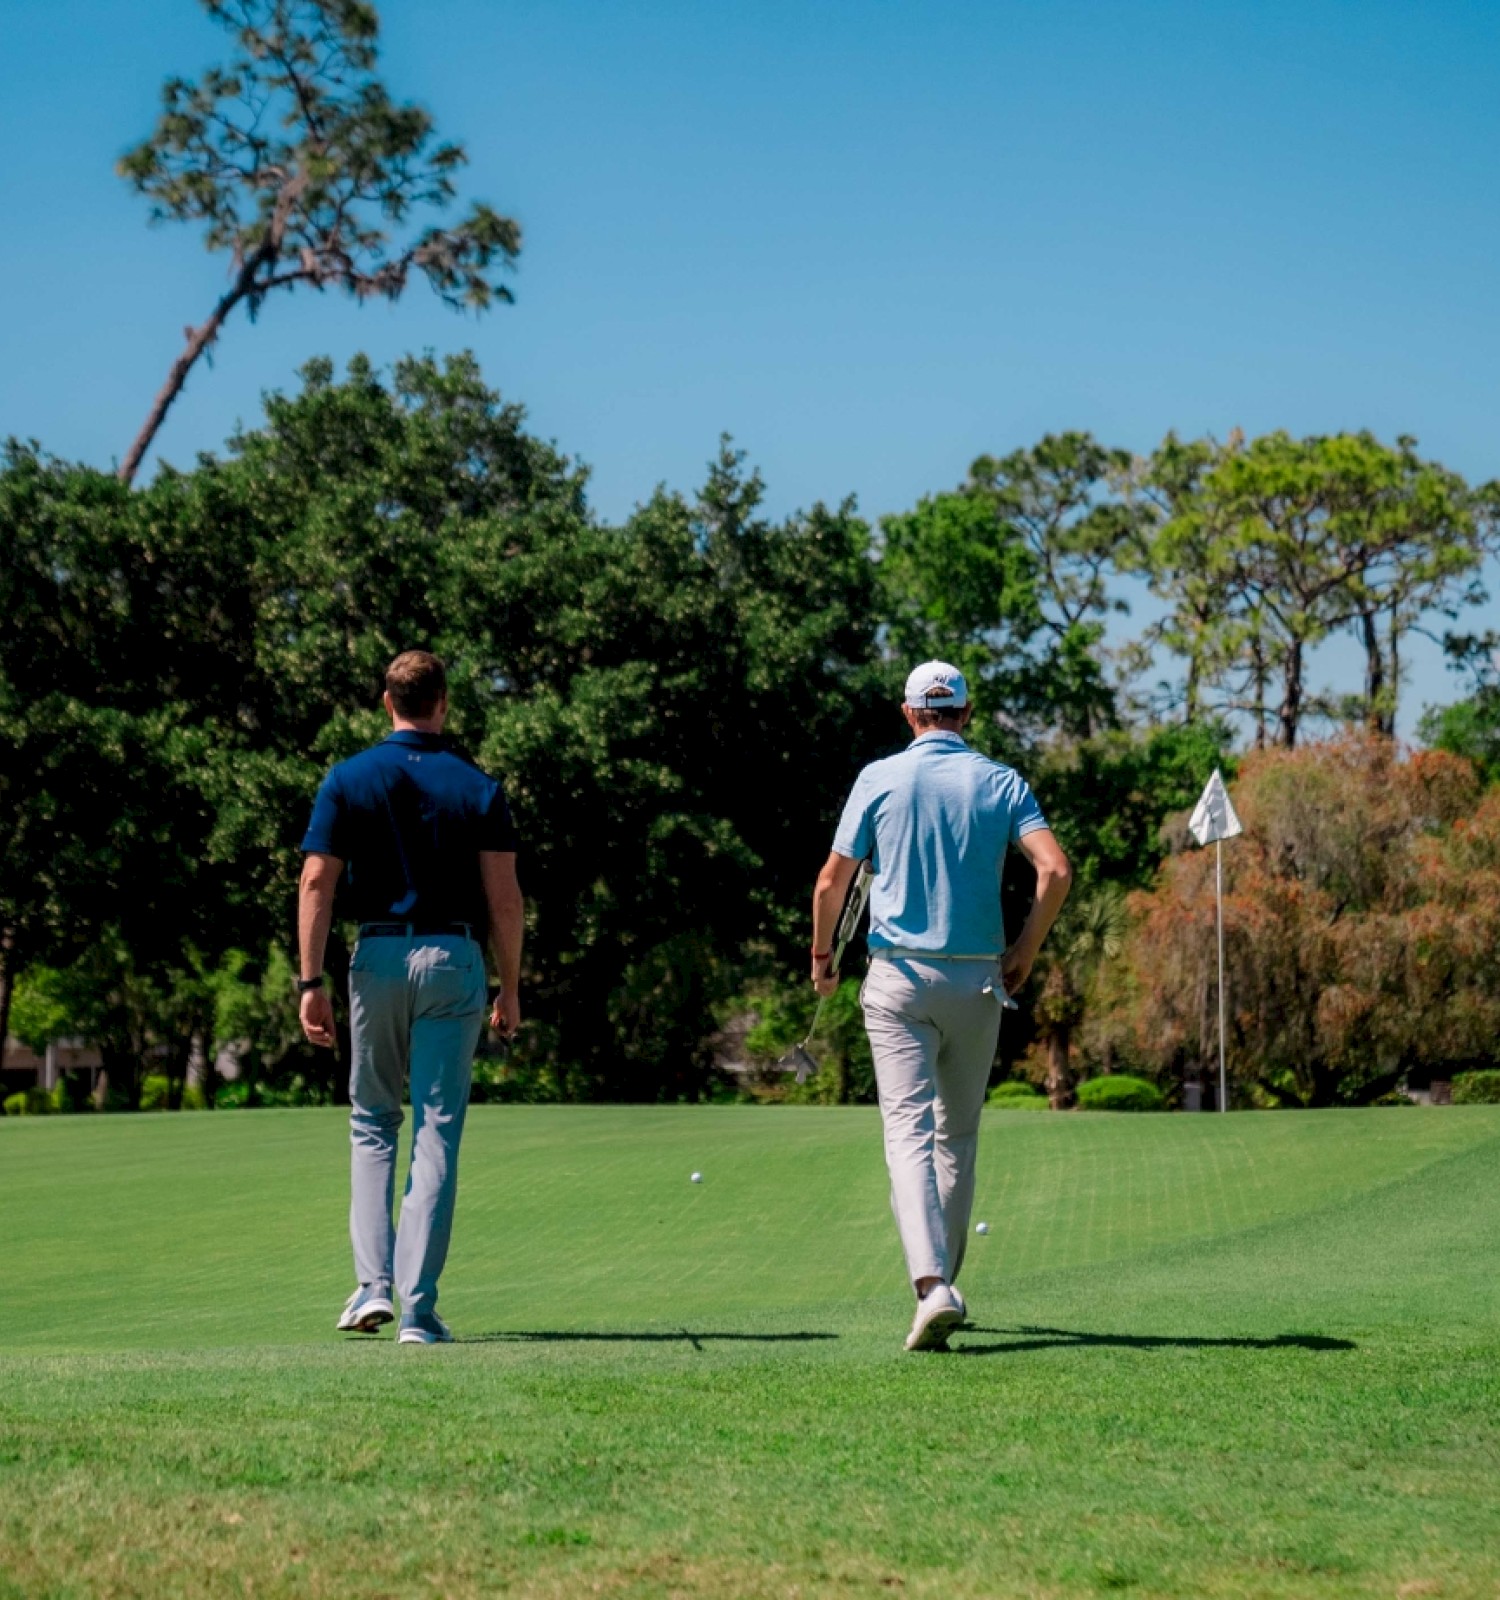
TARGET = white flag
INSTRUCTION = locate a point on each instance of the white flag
(1213, 817)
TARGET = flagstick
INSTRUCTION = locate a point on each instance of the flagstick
(1219, 896)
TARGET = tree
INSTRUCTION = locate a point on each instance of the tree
(1264, 549)
(104, 824)
(1182, 556)
(1089, 935)
(959, 583)
(1008, 576)
(1470, 727)
(299, 163)
(643, 690)
(1063, 499)
(1355, 944)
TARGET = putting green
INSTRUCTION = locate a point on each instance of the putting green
(1247, 1355)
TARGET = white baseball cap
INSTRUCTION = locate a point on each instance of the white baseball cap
(936, 686)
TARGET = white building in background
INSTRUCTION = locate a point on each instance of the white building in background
(61, 1055)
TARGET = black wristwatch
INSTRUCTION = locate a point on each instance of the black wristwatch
(307, 985)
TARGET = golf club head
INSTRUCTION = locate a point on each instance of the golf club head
(1007, 1002)
(799, 1061)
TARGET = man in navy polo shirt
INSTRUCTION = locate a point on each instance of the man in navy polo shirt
(424, 844)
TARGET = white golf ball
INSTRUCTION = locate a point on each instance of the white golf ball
(981, 1227)
(697, 1177)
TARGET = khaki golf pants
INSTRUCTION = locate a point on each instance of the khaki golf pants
(933, 1027)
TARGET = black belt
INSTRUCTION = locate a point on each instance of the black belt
(416, 930)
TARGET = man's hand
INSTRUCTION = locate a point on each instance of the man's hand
(505, 1014)
(502, 894)
(1015, 967)
(317, 1018)
(824, 979)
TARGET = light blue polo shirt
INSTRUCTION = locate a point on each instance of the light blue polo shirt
(936, 822)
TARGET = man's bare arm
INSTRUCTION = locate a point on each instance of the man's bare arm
(320, 881)
(828, 902)
(1054, 877)
(502, 893)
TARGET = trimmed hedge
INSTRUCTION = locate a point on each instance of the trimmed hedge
(28, 1103)
(1119, 1092)
(1014, 1095)
(1477, 1088)
(156, 1090)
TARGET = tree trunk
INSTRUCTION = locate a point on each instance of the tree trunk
(119, 1075)
(1374, 673)
(7, 985)
(199, 339)
(1289, 714)
(200, 1066)
(1393, 653)
(1258, 669)
(1059, 1072)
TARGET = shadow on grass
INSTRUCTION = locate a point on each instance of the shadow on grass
(588, 1336)
(1067, 1339)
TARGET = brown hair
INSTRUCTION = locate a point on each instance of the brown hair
(928, 717)
(416, 681)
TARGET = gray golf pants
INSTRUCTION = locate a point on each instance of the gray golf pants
(416, 1005)
(933, 1027)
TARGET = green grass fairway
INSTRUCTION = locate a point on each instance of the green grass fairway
(1245, 1356)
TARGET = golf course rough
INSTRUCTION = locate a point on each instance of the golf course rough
(1241, 1356)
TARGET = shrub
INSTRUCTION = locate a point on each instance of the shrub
(245, 1093)
(65, 1097)
(1477, 1088)
(1393, 1098)
(193, 1098)
(156, 1089)
(296, 1091)
(1015, 1095)
(28, 1103)
(1119, 1092)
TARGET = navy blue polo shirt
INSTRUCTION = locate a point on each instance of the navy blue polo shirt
(408, 818)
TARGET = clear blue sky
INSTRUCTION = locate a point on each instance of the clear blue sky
(871, 239)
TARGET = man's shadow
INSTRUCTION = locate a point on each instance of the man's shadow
(1028, 1338)
(681, 1335)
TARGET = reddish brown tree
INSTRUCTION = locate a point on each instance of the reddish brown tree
(1362, 920)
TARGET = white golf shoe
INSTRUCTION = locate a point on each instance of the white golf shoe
(423, 1327)
(367, 1310)
(939, 1312)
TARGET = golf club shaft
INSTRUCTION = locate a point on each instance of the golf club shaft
(817, 1016)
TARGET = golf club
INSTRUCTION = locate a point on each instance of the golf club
(797, 1058)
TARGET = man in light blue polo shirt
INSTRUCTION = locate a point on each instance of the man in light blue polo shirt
(935, 823)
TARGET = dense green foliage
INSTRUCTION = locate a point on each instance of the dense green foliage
(217, 638)
(1477, 1088)
(677, 705)
(1209, 1353)
(1119, 1092)
(1471, 727)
